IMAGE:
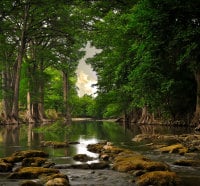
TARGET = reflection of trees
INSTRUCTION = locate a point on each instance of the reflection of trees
(33, 138)
(11, 135)
(148, 129)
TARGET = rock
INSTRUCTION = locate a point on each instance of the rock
(57, 181)
(74, 142)
(187, 162)
(137, 162)
(82, 157)
(158, 178)
(96, 148)
(30, 153)
(5, 166)
(177, 148)
(54, 144)
(33, 162)
(30, 183)
(99, 165)
(31, 172)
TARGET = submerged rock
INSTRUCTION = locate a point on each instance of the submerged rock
(54, 144)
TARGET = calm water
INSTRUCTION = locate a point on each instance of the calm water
(24, 137)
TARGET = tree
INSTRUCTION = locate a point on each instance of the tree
(134, 66)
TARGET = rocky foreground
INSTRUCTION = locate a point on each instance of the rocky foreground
(35, 168)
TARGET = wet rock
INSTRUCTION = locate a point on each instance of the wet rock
(96, 148)
(33, 162)
(74, 142)
(99, 165)
(177, 148)
(54, 144)
(30, 183)
(82, 157)
(188, 162)
(5, 166)
(55, 179)
(159, 178)
(168, 139)
(31, 172)
(30, 153)
(137, 162)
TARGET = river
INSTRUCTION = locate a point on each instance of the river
(24, 137)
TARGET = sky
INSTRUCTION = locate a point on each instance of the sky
(86, 77)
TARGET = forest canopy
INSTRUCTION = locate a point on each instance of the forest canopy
(148, 69)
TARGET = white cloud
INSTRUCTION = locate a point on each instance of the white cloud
(86, 76)
(84, 83)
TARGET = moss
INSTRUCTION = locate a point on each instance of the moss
(96, 148)
(30, 153)
(31, 172)
(33, 162)
(158, 178)
(57, 181)
(137, 162)
(177, 148)
(46, 178)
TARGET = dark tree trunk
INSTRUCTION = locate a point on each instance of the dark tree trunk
(15, 106)
(67, 113)
(196, 118)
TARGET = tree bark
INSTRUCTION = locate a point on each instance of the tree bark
(15, 106)
(67, 113)
(196, 118)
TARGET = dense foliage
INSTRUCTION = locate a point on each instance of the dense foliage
(149, 59)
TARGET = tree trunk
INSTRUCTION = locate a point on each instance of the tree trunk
(196, 118)
(67, 113)
(15, 106)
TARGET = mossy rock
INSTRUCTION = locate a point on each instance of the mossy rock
(33, 162)
(54, 144)
(158, 178)
(13, 159)
(57, 181)
(99, 165)
(188, 162)
(112, 149)
(30, 153)
(46, 178)
(82, 157)
(31, 172)
(5, 166)
(96, 148)
(30, 183)
(137, 162)
(176, 148)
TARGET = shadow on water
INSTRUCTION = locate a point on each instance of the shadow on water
(28, 136)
